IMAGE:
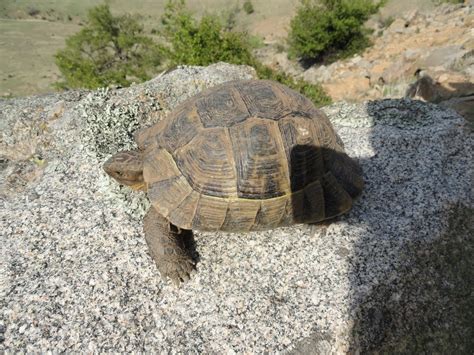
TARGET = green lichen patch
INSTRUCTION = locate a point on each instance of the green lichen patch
(109, 123)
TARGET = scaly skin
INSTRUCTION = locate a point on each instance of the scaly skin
(167, 248)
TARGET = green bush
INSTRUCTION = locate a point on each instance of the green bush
(108, 50)
(330, 29)
(248, 7)
(207, 41)
(201, 42)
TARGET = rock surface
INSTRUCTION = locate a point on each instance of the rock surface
(75, 275)
(439, 41)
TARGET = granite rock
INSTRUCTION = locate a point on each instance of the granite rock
(75, 274)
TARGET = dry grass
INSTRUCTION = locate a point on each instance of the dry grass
(27, 63)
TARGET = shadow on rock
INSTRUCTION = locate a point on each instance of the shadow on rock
(456, 95)
(411, 273)
(429, 306)
(411, 266)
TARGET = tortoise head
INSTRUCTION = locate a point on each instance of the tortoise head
(127, 168)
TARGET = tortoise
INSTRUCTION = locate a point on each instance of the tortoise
(246, 155)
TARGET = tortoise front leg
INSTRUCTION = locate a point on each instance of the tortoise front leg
(167, 247)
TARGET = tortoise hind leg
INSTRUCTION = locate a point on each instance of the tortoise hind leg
(346, 171)
(336, 199)
(167, 248)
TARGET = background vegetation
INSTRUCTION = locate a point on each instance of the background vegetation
(330, 29)
(109, 50)
(31, 32)
(186, 36)
(113, 50)
(248, 7)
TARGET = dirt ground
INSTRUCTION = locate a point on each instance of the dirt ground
(27, 61)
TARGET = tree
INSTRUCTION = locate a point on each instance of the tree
(330, 29)
(109, 50)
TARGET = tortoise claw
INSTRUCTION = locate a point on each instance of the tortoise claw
(178, 270)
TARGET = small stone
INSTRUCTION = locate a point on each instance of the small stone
(398, 26)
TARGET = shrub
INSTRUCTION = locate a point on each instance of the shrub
(108, 50)
(248, 7)
(206, 41)
(201, 42)
(330, 29)
(33, 11)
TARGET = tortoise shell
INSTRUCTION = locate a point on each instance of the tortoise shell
(247, 155)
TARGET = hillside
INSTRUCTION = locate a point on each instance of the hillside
(31, 32)
(427, 55)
